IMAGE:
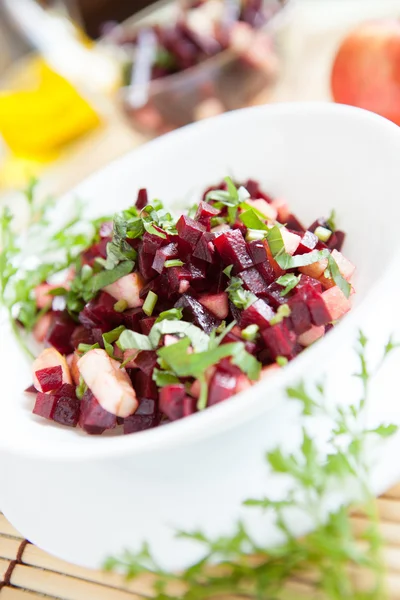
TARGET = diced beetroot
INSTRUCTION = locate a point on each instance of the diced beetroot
(267, 209)
(142, 199)
(267, 272)
(205, 249)
(97, 250)
(232, 249)
(67, 407)
(189, 406)
(259, 313)
(145, 262)
(253, 281)
(171, 400)
(152, 242)
(97, 334)
(146, 324)
(51, 378)
(30, 390)
(175, 276)
(189, 230)
(141, 422)
(257, 252)
(45, 405)
(279, 340)
(60, 333)
(336, 303)
(164, 253)
(308, 242)
(292, 222)
(144, 386)
(222, 386)
(312, 335)
(132, 317)
(304, 284)
(216, 303)
(336, 240)
(253, 187)
(100, 313)
(205, 212)
(273, 295)
(196, 313)
(146, 361)
(106, 229)
(93, 418)
(300, 316)
(226, 366)
(81, 336)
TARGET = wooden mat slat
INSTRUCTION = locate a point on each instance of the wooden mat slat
(15, 594)
(9, 547)
(3, 568)
(7, 529)
(64, 587)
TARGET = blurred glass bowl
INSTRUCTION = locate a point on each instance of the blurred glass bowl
(226, 81)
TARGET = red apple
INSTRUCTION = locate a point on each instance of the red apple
(366, 71)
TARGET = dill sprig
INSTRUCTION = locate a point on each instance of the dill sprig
(235, 564)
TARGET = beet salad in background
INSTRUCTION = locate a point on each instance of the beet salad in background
(159, 317)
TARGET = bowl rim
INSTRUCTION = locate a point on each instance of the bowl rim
(226, 415)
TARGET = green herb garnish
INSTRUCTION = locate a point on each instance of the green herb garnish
(282, 312)
(173, 262)
(173, 314)
(250, 333)
(150, 303)
(240, 297)
(337, 277)
(331, 221)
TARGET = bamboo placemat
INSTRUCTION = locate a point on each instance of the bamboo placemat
(28, 573)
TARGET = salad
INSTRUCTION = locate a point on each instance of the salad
(161, 317)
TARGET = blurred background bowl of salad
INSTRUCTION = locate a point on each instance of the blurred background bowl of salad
(186, 61)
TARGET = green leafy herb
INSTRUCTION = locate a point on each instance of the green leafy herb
(282, 361)
(240, 297)
(288, 281)
(282, 312)
(130, 339)
(173, 314)
(250, 333)
(104, 278)
(110, 337)
(338, 277)
(287, 261)
(228, 270)
(163, 378)
(329, 553)
(83, 348)
(331, 221)
(252, 221)
(232, 198)
(196, 336)
(150, 303)
(81, 388)
(174, 262)
(275, 241)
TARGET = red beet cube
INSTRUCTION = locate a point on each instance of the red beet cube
(267, 272)
(136, 423)
(144, 385)
(146, 361)
(196, 313)
(204, 249)
(189, 405)
(60, 333)
(81, 336)
(152, 242)
(253, 281)
(308, 242)
(205, 212)
(45, 405)
(50, 378)
(293, 223)
(300, 316)
(30, 390)
(145, 263)
(226, 366)
(189, 230)
(95, 251)
(259, 313)
(336, 241)
(279, 340)
(171, 400)
(93, 418)
(273, 295)
(257, 252)
(164, 253)
(253, 187)
(67, 409)
(175, 276)
(232, 249)
(100, 313)
(222, 386)
(304, 285)
(146, 324)
(197, 270)
(310, 294)
(131, 318)
(142, 199)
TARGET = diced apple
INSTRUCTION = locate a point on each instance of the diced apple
(268, 210)
(130, 355)
(220, 228)
(282, 208)
(243, 383)
(108, 382)
(312, 335)
(216, 303)
(42, 327)
(336, 302)
(269, 370)
(127, 288)
(184, 285)
(346, 267)
(42, 294)
(290, 240)
(50, 358)
(316, 270)
(72, 361)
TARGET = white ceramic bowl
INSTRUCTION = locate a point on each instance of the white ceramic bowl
(83, 498)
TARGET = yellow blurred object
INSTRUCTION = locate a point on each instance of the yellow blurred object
(43, 112)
